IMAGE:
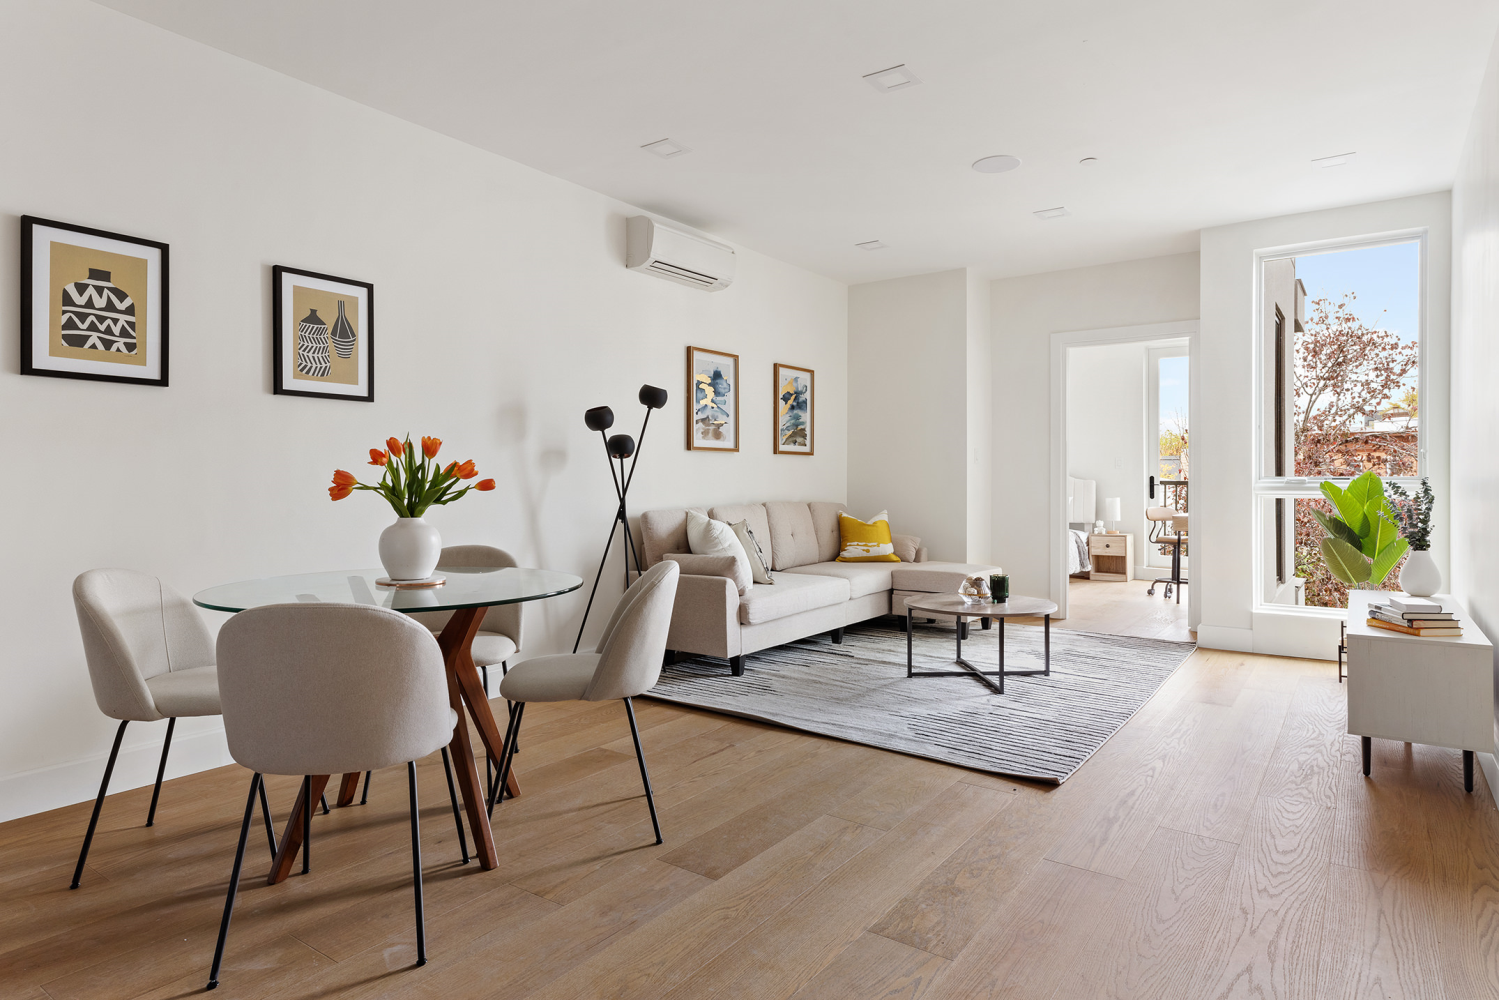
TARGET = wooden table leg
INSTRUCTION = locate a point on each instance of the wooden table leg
(454, 641)
(291, 837)
(348, 787)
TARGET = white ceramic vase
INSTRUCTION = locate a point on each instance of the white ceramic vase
(1419, 577)
(410, 549)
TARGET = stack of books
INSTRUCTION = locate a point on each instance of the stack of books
(1415, 616)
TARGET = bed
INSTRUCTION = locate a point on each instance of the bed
(1082, 510)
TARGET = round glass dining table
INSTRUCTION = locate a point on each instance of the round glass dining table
(468, 592)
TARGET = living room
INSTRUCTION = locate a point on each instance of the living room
(930, 217)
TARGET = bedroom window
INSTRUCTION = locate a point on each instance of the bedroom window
(1340, 393)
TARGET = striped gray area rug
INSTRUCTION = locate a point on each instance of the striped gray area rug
(1041, 728)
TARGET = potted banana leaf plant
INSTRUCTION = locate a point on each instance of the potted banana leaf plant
(1363, 542)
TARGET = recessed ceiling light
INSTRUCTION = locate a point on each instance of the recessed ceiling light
(871, 245)
(894, 78)
(1051, 213)
(665, 148)
(996, 164)
(1333, 161)
(1087, 161)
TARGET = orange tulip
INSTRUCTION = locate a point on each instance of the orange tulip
(467, 470)
(395, 447)
(339, 492)
(452, 468)
(342, 478)
(484, 485)
(430, 446)
(378, 457)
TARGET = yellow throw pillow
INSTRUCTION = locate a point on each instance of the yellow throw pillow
(866, 541)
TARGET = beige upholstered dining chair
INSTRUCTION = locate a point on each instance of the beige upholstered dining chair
(282, 665)
(150, 657)
(627, 663)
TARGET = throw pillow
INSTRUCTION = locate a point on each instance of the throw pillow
(758, 569)
(725, 566)
(906, 546)
(864, 541)
(707, 537)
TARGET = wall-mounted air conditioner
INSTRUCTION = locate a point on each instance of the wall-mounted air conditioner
(677, 256)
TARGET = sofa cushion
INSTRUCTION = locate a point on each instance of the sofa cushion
(754, 513)
(663, 531)
(792, 594)
(825, 524)
(863, 578)
(934, 577)
(866, 541)
(793, 539)
(704, 565)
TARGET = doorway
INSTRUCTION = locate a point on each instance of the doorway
(1121, 430)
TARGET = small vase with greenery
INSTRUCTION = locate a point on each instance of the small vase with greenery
(410, 548)
(1363, 542)
(1419, 576)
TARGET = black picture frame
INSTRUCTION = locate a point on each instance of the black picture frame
(160, 301)
(282, 347)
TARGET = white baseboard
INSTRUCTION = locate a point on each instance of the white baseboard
(1491, 772)
(63, 784)
(1239, 640)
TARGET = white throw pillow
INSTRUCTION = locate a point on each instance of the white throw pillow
(707, 537)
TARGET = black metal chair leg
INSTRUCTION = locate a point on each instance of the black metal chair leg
(447, 767)
(109, 769)
(416, 866)
(307, 808)
(496, 789)
(514, 732)
(270, 830)
(325, 805)
(239, 861)
(366, 796)
(645, 778)
(161, 769)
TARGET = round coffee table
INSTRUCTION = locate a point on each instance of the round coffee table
(953, 604)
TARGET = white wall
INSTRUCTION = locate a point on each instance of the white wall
(503, 310)
(908, 449)
(1223, 422)
(1106, 430)
(1474, 480)
(979, 420)
(1025, 312)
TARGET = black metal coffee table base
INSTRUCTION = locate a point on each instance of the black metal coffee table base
(969, 670)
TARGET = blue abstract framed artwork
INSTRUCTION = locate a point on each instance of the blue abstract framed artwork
(713, 387)
(794, 409)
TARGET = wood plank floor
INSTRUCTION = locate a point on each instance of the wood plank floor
(1224, 844)
(1125, 609)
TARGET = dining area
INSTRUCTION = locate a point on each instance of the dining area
(333, 687)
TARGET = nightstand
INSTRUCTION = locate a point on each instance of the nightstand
(1113, 557)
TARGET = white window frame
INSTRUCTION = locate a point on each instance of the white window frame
(1309, 487)
(1153, 356)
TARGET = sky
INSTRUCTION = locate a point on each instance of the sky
(1387, 280)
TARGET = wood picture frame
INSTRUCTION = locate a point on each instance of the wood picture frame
(794, 410)
(713, 395)
(329, 355)
(94, 305)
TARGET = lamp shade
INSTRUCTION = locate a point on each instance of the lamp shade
(1111, 509)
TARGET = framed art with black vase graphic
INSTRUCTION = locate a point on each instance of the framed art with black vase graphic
(93, 304)
(324, 335)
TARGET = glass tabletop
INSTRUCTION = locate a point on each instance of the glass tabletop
(467, 587)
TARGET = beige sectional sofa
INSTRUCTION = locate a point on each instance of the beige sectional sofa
(812, 592)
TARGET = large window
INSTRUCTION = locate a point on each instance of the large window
(1167, 428)
(1340, 394)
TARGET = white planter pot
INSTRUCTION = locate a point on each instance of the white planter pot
(1419, 577)
(410, 549)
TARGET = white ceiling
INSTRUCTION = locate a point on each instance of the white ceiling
(1200, 113)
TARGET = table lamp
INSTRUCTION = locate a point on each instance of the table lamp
(1111, 514)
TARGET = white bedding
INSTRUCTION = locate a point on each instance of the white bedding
(1077, 552)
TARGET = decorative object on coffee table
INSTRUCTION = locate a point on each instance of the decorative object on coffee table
(713, 395)
(975, 589)
(618, 448)
(93, 304)
(410, 548)
(794, 409)
(323, 335)
(962, 609)
(999, 587)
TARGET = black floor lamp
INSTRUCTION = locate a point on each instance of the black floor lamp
(618, 448)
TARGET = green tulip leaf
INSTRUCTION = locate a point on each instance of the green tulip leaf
(1335, 527)
(1346, 561)
(1387, 558)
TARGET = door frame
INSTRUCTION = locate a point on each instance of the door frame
(1057, 515)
